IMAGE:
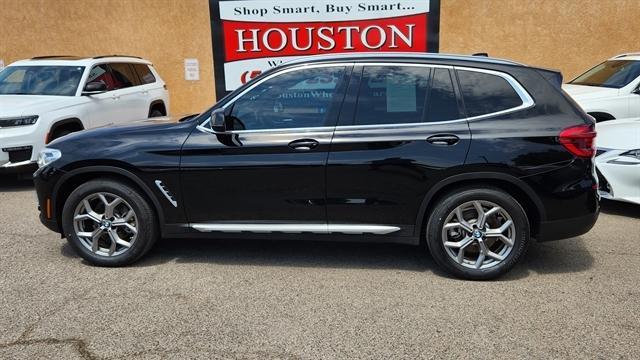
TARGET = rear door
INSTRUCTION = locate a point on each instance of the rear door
(402, 133)
(131, 100)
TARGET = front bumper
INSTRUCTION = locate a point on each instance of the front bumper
(45, 180)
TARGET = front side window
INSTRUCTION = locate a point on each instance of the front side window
(392, 95)
(101, 73)
(40, 80)
(612, 74)
(295, 99)
(485, 93)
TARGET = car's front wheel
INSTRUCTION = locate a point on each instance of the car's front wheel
(109, 223)
(478, 233)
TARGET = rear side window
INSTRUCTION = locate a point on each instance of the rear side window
(123, 75)
(392, 95)
(144, 73)
(442, 101)
(486, 93)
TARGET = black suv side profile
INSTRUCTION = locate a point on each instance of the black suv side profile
(472, 156)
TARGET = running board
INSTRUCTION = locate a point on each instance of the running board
(296, 228)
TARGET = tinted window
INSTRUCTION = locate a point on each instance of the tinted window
(392, 95)
(144, 73)
(40, 80)
(486, 93)
(612, 73)
(101, 73)
(291, 100)
(442, 98)
(123, 75)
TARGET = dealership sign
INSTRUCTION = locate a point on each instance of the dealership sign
(251, 36)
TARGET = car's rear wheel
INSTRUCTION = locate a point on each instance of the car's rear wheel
(477, 234)
(109, 223)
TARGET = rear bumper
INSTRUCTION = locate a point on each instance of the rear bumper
(566, 228)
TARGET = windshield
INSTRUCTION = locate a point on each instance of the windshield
(40, 80)
(611, 73)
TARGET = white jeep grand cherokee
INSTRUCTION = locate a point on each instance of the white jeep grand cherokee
(610, 90)
(44, 98)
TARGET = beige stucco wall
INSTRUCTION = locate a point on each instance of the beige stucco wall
(570, 35)
(163, 31)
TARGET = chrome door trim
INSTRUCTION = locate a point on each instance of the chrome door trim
(296, 228)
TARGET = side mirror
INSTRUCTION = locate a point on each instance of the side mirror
(636, 91)
(93, 88)
(218, 121)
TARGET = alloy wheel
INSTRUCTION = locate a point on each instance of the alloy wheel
(478, 234)
(105, 224)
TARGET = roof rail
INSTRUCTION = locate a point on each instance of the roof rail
(52, 57)
(116, 55)
(481, 54)
(627, 54)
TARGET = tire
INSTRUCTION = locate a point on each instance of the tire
(131, 219)
(498, 256)
(155, 112)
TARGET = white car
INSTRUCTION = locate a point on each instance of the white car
(618, 160)
(610, 90)
(44, 98)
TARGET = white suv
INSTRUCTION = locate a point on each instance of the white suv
(44, 98)
(610, 90)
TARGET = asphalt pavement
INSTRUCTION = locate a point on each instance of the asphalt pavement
(210, 299)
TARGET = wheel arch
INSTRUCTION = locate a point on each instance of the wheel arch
(73, 122)
(157, 104)
(73, 179)
(511, 184)
(601, 116)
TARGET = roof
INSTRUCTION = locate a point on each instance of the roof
(401, 55)
(627, 56)
(62, 60)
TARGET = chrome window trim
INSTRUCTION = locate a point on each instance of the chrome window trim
(527, 100)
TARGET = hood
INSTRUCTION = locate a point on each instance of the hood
(584, 92)
(18, 105)
(618, 134)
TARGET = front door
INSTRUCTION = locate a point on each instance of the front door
(402, 133)
(267, 173)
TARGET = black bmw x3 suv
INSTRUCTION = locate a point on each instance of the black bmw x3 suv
(473, 157)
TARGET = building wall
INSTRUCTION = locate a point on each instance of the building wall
(163, 31)
(570, 35)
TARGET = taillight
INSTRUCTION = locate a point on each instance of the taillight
(579, 140)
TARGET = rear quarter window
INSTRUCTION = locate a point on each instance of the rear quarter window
(485, 93)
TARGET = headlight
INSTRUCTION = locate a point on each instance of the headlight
(632, 153)
(18, 121)
(47, 156)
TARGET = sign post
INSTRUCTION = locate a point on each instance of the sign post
(251, 36)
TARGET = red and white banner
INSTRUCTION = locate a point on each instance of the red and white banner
(258, 35)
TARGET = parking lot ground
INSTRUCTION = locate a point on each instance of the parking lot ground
(285, 299)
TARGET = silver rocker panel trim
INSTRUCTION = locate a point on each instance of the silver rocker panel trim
(296, 228)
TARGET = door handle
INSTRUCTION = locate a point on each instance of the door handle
(303, 144)
(443, 139)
